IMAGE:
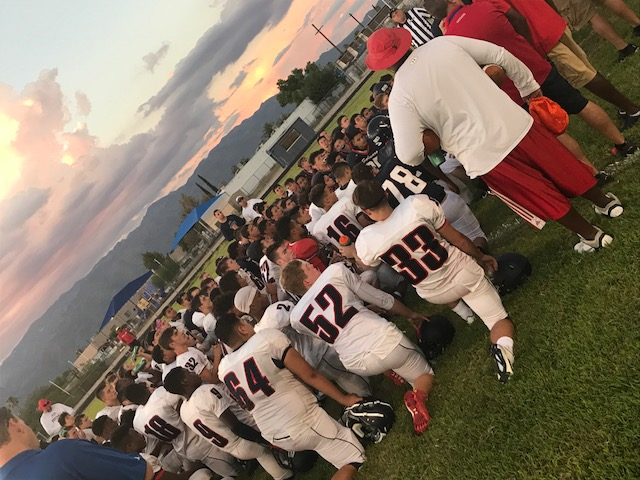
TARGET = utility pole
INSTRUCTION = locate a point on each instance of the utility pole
(319, 30)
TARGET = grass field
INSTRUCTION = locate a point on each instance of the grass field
(572, 409)
(94, 407)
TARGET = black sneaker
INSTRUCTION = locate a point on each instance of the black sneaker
(629, 121)
(626, 51)
(603, 178)
(625, 150)
(636, 30)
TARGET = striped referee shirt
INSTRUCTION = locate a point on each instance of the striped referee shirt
(423, 27)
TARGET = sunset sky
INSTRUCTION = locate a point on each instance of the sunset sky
(95, 95)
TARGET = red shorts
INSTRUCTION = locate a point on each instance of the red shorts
(540, 174)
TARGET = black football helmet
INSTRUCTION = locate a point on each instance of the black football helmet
(379, 130)
(298, 462)
(370, 419)
(513, 271)
(381, 87)
(435, 335)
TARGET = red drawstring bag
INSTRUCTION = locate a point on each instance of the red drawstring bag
(549, 114)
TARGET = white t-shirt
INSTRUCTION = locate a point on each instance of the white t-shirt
(275, 398)
(193, 360)
(49, 420)
(278, 316)
(410, 243)
(442, 87)
(248, 213)
(159, 419)
(201, 413)
(333, 310)
(341, 219)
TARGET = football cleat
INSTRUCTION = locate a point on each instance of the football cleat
(470, 319)
(397, 380)
(624, 150)
(602, 178)
(612, 209)
(629, 121)
(630, 49)
(414, 401)
(588, 246)
(504, 362)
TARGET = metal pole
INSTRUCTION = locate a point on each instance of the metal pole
(59, 387)
(318, 30)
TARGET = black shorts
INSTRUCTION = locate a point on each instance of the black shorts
(560, 91)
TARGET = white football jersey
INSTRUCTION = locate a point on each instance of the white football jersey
(333, 310)
(278, 316)
(271, 274)
(347, 191)
(159, 419)
(410, 243)
(258, 380)
(341, 219)
(197, 318)
(193, 360)
(209, 323)
(201, 413)
(166, 368)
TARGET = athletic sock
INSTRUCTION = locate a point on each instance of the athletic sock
(463, 310)
(506, 342)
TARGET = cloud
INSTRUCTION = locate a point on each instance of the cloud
(22, 206)
(239, 79)
(195, 72)
(83, 105)
(152, 59)
(281, 54)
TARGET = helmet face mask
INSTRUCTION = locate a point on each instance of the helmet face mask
(379, 130)
(370, 419)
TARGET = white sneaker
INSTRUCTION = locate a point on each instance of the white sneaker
(612, 209)
(587, 246)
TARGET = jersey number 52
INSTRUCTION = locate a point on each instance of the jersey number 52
(320, 324)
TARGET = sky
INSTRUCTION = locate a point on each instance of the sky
(95, 95)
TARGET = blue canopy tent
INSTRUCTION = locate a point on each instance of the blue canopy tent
(123, 296)
(193, 218)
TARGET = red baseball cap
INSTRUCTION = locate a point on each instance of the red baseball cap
(43, 403)
(386, 47)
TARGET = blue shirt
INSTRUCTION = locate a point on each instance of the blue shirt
(73, 459)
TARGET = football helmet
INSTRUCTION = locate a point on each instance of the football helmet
(435, 335)
(513, 271)
(379, 130)
(370, 419)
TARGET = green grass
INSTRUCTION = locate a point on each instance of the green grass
(94, 407)
(572, 409)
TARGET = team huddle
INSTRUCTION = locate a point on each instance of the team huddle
(302, 309)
